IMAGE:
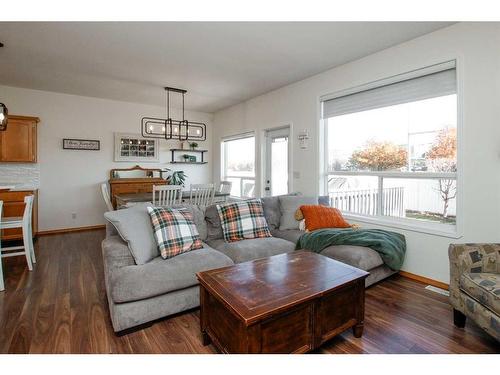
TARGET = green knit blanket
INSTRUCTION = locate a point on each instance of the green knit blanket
(390, 245)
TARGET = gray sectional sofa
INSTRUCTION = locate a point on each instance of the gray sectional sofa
(142, 287)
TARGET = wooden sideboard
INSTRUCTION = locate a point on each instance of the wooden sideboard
(119, 184)
(13, 206)
(19, 142)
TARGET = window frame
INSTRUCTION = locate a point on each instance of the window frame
(439, 229)
(223, 159)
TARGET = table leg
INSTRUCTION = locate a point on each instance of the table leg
(203, 316)
(357, 330)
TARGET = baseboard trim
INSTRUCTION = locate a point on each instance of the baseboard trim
(424, 280)
(70, 230)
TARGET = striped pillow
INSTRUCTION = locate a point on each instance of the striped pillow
(174, 231)
(243, 220)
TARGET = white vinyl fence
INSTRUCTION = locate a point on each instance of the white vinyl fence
(364, 202)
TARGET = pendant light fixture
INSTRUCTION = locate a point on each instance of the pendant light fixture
(171, 129)
(3, 117)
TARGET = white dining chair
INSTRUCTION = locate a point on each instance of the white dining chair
(167, 195)
(202, 194)
(224, 188)
(106, 196)
(2, 286)
(24, 223)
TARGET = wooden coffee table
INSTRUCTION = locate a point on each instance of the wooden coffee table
(289, 303)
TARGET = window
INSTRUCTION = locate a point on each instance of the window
(391, 149)
(238, 164)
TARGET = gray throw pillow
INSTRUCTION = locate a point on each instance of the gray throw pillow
(271, 207)
(288, 206)
(134, 227)
(272, 213)
(214, 227)
(324, 200)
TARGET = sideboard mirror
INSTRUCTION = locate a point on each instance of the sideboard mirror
(135, 172)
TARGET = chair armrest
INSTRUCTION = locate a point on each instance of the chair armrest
(473, 258)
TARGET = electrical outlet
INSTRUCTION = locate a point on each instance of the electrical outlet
(73, 215)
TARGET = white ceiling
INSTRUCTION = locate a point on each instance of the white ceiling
(220, 64)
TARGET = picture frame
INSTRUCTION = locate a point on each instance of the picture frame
(81, 144)
(131, 147)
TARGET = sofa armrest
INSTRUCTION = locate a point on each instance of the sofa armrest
(116, 253)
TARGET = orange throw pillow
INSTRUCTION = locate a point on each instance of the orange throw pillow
(318, 217)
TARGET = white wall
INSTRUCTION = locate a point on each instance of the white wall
(69, 180)
(476, 47)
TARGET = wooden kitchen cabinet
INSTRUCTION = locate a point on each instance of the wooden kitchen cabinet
(13, 206)
(19, 142)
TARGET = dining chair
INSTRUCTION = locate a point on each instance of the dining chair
(168, 195)
(202, 194)
(24, 223)
(224, 188)
(2, 286)
(106, 196)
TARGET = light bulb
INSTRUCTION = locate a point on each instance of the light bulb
(151, 127)
(197, 131)
(163, 129)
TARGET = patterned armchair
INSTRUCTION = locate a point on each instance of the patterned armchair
(475, 285)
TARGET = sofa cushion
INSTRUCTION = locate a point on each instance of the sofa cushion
(272, 213)
(356, 256)
(134, 227)
(483, 287)
(243, 251)
(291, 235)
(288, 206)
(160, 276)
(214, 228)
(324, 200)
(243, 220)
(174, 231)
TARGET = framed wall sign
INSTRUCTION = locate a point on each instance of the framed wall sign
(81, 144)
(133, 147)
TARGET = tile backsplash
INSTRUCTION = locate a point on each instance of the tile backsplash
(23, 175)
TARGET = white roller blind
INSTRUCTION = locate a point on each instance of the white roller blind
(403, 91)
(238, 136)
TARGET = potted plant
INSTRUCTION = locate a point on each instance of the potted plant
(185, 157)
(193, 145)
(177, 178)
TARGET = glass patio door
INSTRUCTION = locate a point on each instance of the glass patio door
(277, 162)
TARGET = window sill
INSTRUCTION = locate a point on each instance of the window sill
(437, 229)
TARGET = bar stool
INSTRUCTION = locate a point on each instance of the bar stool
(24, 223)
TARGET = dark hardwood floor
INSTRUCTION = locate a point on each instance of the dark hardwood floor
(61, 307)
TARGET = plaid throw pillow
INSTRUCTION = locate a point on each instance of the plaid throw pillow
(174, 231)
(243, 220)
